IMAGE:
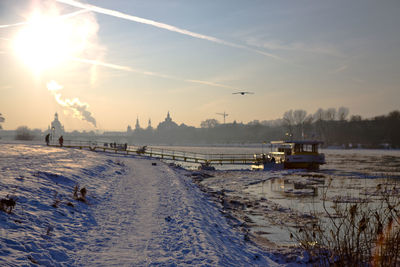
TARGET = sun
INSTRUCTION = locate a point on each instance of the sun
(49, 40)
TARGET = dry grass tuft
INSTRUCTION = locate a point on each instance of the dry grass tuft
(366, 233)
(56, 201)
(80, 194)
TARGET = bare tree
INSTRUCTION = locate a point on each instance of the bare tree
(1, 120)
(24, 133)
(330, 114)
(289, 121)
(273, 123)
(254, 122)
(209, 123)
(318, 115)
(355, 118)
(342, 113)
(299, 116)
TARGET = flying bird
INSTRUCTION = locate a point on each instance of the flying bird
(243, 93)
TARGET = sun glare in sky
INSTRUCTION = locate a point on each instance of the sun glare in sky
(49, 40)
(140, 59)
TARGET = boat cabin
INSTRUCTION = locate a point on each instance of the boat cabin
(296, 147)
(297, 154)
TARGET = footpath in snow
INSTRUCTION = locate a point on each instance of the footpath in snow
(139, 212)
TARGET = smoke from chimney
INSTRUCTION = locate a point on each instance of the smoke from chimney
(78, 108)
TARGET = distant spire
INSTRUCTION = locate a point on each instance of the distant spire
(149, 124)
(137, 126)
(168, 118)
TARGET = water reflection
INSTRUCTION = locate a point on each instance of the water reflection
(289, 188)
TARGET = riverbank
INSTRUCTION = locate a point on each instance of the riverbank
(272, 204)
(134, 212)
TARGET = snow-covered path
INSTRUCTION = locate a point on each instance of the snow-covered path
(154, 216)
(137, 213)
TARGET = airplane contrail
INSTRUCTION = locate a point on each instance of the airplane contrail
(13, 25)
(149, 73)
(161, 25)
(65, 16)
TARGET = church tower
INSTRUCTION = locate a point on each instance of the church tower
(167, 124)
(137, 126)
(56, 129)
(168, 118)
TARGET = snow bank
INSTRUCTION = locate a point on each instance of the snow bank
(42, 177)
(137, 213)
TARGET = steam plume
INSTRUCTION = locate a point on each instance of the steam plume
(161, 25)
(79, 109)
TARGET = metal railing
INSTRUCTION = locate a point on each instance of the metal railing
(160, 153)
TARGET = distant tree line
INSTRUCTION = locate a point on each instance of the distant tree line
(332, 126)
(336, 129)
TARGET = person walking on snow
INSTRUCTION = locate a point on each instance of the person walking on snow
(61, 140)
(47, 138)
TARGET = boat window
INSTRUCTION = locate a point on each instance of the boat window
(315, 148)
(298, 148)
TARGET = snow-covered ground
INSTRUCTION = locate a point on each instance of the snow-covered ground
(138, 212)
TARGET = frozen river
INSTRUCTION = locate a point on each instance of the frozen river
(273, 201)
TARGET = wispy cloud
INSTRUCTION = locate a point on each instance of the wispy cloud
(150, 73)
(164, 26)
(295, 46)
(339, 69)
(12, 25)
(78, 108)
(3, 46)
(65, 16)
(5, 87)
(357, 80)
(214, 104)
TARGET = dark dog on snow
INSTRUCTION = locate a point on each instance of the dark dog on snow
(7, 205)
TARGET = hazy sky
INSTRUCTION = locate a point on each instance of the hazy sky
(189, 56)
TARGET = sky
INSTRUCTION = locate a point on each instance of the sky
(102, 64)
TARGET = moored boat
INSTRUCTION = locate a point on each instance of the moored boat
(293, 155)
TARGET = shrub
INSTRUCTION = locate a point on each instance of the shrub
(24, 133)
